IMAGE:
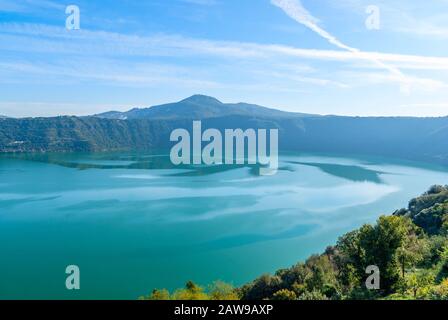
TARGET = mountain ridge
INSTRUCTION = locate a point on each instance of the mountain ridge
(199, 107)
(410, 138)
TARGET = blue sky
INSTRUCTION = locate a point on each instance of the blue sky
(314, 56)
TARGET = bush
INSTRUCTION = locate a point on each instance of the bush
(313, 295)
(440, 292)
(219, 290)
(157, 295)
(191, 292)
(284, 294)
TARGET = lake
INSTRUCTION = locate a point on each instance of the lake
(133, 222)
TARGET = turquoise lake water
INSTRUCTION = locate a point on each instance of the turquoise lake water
(134, 222)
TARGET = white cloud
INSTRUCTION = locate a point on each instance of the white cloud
(295, 10)
(36, 38)
(422, 28)
(411, 18)
(58, 55)
(105, 71)
(422, 62)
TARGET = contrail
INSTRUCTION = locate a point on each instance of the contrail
(295, 10)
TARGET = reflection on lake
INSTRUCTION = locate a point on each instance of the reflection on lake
(135, 222)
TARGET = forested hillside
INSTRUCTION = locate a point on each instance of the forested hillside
(145, 129)
(74, 134)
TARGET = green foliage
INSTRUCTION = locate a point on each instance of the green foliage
(436, 246)
(86, 134)
(262, 288)
(391, 245)
(146, 129)
(317, 274)
(440, 292)
(429, 211)
(191, 292)
(219, 290)
(418, 284)
(442, 265)
(284, 294)
(313, 295)
(322, 273)
(445, 223)
(158, 295)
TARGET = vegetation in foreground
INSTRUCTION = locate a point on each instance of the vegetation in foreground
(410, 248)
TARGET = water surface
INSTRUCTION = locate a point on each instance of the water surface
(134, 222)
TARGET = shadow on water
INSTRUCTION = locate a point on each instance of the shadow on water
(10, 203)
(163, 210)
(348, 172)
(156, 161)
(229, 242)
(247, 239)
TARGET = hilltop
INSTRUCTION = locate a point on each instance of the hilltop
(149, 128)
(198, 107)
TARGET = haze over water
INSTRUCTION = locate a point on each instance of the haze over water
(133, 222)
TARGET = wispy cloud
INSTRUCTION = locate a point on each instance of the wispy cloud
(108, 71)
(412, 19)
(97, 46)
(38, 54)
(37, 38)
(422, 62)
(422, 28)
(295, 10)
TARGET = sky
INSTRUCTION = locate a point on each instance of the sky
(343, 57)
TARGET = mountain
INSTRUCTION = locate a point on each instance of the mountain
(199, 107)
(423, 139)
(3, 117)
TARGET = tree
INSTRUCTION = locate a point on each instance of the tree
(442, 266)
(419, 284)
(440, 292)
(313, 295)
(284, 294)
(157, 294)
(349, 260)
(321, 274)
(445, 224)
(191, 292)
(219, 290)
(412, 252)
(379, 245)
(262, 288)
